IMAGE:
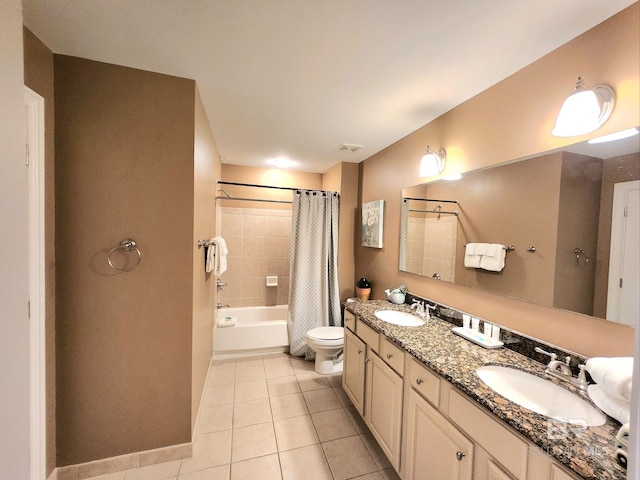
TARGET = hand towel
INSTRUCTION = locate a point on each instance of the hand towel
(612, 406)
(493, 259)
(210, 258)
(471, 259)
(613, 374)
(221, 251)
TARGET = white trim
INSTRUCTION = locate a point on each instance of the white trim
(620, 193)
(34, 110)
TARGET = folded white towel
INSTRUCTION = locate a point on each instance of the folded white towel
(612, 406)
(471, 259)
(221, 251)
(208, 264)
(493, 259)
(613, 374)
(224, 322)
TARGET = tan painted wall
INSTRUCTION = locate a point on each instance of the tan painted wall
(206, 172)
(124, 168)
(343, 178)
(508, 121)
(14, 288)
(38, 75)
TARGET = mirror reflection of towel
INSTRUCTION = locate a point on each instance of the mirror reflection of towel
(471, 258)
(493, 259)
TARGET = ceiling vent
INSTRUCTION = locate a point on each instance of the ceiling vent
(350, 146)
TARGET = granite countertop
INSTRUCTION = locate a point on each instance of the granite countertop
(589, 453)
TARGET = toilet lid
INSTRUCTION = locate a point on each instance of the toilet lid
(326, 333)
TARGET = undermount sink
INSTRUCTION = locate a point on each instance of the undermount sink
(400, 318)
(540, 395)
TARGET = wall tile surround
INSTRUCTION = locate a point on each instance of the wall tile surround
(259, 243)
(515, 341)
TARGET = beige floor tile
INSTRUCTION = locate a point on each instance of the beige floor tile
(356, 419)
(282, 385)
(155, 472)
(369, 476)
(342, 396)
(376, 452)
(253, 441)
(389, 474)
(209, 450)
(110, 476)
(301, 367)
(262, 468)
(251, 412)
(214, 419)
(321, 400)
(287, 406)
(308, 463)
(333, 424)
(246, 372)
(313, 381)
(219, 394)
(253, 390)
(222, 374)
(295, 432)
(223, 472)
(335, 379)
(348, 457)
(277, 367)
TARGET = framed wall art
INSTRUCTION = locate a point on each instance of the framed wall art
(372, 222)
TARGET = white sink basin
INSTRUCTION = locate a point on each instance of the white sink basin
(400, 318)
(540, 395)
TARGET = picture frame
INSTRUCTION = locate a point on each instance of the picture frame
(372, 224)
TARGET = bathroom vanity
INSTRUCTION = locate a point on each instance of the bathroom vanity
(418, 392)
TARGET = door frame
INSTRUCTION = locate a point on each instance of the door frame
(34, 158)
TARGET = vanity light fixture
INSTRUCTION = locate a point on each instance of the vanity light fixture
(629, 132)
(585, 110)
(432, 163)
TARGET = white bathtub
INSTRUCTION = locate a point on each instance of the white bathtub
(259, 330)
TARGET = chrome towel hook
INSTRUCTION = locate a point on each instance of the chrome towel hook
(127, 245)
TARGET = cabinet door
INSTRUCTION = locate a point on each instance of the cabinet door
(353, 369)
(384, 407)
(435, 449)
(494, 472)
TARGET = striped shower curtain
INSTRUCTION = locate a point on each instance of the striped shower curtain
(314, 296)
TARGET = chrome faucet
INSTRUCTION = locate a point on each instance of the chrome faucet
(219, 305)
(562, 370)
(418, 306)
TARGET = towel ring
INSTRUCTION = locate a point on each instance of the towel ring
(127, 245)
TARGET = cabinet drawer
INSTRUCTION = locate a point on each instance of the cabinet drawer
(350, 320)
(368, 335)
(394, 356)
(506, 447)
(424, 382)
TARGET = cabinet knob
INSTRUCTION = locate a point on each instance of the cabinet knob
(359, 351)
(460, 455)
(389, 355)
(419, 381)
(367, 360)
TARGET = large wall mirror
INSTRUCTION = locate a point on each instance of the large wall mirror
(561, 215)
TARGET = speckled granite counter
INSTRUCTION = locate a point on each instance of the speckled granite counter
(590, 454)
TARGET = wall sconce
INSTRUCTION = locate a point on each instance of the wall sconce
(585, 110)
(432, 163)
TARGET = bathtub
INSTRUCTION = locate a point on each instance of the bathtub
(259, 330)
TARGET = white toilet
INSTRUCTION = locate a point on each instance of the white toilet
(328, 343)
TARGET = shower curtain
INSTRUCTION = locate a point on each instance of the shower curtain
(314, 296)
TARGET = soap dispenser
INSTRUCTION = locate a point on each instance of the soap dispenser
(363, 289)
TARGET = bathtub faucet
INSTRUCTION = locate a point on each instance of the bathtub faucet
(219, 305)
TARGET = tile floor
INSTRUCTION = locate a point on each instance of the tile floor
(273, 417)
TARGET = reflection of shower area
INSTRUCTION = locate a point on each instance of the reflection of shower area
(431, 241)
(259, 243)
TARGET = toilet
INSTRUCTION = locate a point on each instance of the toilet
(328, 343)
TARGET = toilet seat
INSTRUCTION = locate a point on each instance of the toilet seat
(326, 334)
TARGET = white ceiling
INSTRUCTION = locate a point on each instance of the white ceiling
(297, 78)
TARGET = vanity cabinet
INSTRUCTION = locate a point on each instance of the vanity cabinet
(434, 448)
(383, 406)
(353, 369)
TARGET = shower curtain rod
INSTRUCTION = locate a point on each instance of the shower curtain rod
(221, 182)
(253, 199)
